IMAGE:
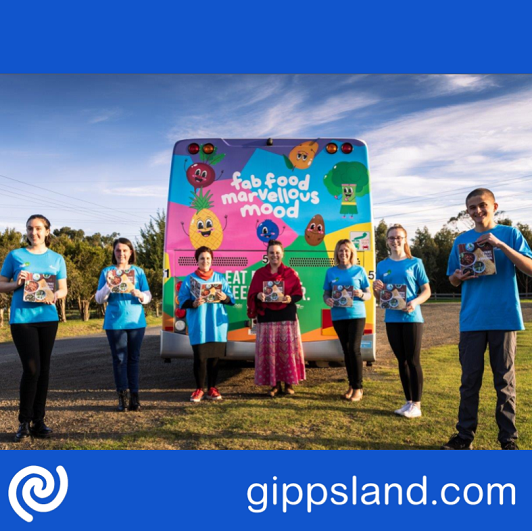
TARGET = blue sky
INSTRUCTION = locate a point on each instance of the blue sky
(101, 145)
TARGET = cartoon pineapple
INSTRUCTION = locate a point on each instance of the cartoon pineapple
(205, 227)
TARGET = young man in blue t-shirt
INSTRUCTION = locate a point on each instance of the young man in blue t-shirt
(490, 316)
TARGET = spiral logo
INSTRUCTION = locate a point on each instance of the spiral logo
(39, 490)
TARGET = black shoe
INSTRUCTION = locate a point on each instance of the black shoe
(134, 404)
(122, 401)
(457, 443)
(509, 445)
(23, 431)
(40, 430)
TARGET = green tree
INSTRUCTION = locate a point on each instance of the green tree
(424, 247)
(381, 250)
(150, 255)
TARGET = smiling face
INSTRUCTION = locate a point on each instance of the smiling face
(204, 261)
(303, 155)
(37, 232)
(315, 231)
(482, 209)
(200, 175)
(275, 255)
(267, 230)
(348, 191)
(122, 254)
(396, 240)
(344, 255)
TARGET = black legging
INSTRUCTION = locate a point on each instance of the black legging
(207, 366)
(350, 332)
(405, 340)
(34, 343)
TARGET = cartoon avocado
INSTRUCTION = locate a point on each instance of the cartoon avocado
(315, 231)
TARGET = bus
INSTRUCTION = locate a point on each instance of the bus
(234, 196)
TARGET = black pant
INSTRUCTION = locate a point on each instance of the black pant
(472, 347)
(350, 332)
(405, 340)
(204, 367)
(34, 343)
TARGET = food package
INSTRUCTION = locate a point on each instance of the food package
(39, 287)
(477, 259)
(393, 297)
(273, 290)
(121, 280)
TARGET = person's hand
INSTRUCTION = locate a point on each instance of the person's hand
(461, 276)
(358, 293)
(491, 239)
(378, 285)
(261, 296)
(137, 293)
(198, 302)
(22, 277)
(329, 302)
(220, 296)
(410, 306)
(287, 299)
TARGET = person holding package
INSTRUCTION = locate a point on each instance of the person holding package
(490, 315)
(278, 347)
(348, 321)
(34, 324)
(208, 322)
(125, 322)
(404, 323)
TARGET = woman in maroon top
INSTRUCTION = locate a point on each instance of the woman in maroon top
(278, 348)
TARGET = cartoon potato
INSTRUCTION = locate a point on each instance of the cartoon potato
(315, 231)
(302, 156)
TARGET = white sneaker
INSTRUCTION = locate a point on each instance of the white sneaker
(413, 412)
(401, 410)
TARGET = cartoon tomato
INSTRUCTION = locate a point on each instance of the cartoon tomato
(200, 175)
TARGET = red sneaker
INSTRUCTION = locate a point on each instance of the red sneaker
(213, 394)
(197, 395)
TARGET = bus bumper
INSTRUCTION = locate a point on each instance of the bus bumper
(178, 346)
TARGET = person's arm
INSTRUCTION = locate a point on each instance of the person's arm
(144, 297)
(7, 285)
(423, 295)
(62, 291)
(362, 294)
(327, 299)
(522, 262)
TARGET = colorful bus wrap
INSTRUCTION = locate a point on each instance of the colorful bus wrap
(234, 196)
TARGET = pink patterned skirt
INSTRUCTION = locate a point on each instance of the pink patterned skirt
(279, 353)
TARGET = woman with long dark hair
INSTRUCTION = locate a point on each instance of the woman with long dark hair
(124, 287)
(34, 319)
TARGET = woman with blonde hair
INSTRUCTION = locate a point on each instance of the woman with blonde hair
(404, 326)
(346, 287)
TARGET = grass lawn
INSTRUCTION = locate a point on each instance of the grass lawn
(74, 327)
(316, 417)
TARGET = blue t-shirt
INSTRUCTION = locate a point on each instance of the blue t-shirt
(124, 311)
(48, 263)
(491, 302)
(354, 276)
(410, 272)
(208, 322)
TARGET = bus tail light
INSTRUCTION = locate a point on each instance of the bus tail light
(193, 148)
(208, 149)
(347, 148)
(331, 148)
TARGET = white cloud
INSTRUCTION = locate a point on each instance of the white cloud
(104, 116)
(138, 191)
(486, 143)
(448, 84)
